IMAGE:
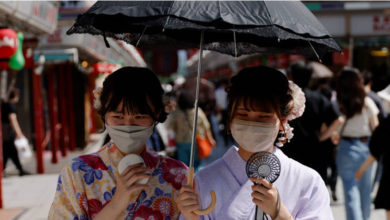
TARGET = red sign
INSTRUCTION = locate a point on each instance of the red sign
(341, 58)
(105, 68)
(381, 23)
(8, 43)
(283, 61)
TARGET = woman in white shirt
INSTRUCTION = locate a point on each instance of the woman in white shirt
(361, 119)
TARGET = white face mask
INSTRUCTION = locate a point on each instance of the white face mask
(254, 136)
(129, 139)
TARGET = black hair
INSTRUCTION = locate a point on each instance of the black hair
(13, 93)
(185, 100)
(138, 88)
(350, 91)
(300, 73)
(260, 86)
(367, 76)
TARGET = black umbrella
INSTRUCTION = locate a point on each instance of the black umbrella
(231, 27)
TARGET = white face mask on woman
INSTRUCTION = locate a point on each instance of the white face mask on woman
(129, 139)
(254, 136)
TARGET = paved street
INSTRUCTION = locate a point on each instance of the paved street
(29, 197)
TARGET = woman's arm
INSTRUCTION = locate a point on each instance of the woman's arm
(374, 122)
(15, 125)
(211, 138)
(367, 163)
(331, 129)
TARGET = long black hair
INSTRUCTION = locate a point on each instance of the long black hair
(138, 88)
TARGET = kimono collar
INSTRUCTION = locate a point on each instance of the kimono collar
(236, 165)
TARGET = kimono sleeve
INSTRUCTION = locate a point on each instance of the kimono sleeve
(69, 197)
(317, 205)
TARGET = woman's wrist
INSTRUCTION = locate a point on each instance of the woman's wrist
(116, 207)
(110, 211)
(283, 214)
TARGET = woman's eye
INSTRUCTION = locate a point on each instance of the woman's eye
(118, 117)
(242, 114)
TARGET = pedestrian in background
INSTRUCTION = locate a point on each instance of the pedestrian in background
(361, 119)
(181, 123)
(323, 85)
(11, 131)
(368, 82)
(380, 150)
(221, 109)
(305, 147)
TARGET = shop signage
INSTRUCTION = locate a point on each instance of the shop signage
(8, 43)
(93, 45)
(38, 16)
(381, 23)
(370, 25)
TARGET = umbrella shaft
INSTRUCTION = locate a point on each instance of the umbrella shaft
(196, 100)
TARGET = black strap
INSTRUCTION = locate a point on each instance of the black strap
(105, 40)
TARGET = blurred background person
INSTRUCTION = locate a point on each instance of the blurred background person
(361, 117)
(181, 122)
(221, 108)
(11, 131)
(380, 149)
(305, 147)
(324, 86)
(368, 82)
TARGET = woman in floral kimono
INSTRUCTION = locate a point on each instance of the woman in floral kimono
(261, 102)
(90, 187)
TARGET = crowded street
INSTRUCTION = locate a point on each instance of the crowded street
(194, 110)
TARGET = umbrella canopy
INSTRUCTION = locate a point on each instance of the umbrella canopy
(320, 70)
(231, 27)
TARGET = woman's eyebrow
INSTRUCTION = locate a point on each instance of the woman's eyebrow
(261, 113)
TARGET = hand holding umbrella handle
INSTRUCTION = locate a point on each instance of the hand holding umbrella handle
(211, 207)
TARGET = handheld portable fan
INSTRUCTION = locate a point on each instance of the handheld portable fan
(265, 165)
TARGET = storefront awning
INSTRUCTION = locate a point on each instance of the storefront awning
(37, 17)
(93, 46)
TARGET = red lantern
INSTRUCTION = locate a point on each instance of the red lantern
(8, 43)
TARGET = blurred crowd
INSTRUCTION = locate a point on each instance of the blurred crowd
(344, 120)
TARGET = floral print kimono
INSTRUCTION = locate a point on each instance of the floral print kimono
(88, 183)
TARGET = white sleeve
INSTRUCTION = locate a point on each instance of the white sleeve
(318, 206)
(371, 107)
